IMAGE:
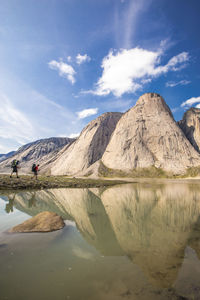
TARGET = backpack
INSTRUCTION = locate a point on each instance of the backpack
(33, 167)
(14, 163)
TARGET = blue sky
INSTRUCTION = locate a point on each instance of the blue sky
(65, 62)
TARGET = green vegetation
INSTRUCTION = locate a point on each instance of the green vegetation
(44, 182)
(192, 172)
(151, 172)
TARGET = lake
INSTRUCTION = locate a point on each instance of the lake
(132, 241)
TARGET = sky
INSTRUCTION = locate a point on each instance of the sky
(65, 62)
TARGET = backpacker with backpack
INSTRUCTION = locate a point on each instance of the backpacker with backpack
(33, 167)
(14, 163)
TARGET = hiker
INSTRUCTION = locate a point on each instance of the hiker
(35, 170)
(9, 206)
(15, 167)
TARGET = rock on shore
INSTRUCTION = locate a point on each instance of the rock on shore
(43, 222)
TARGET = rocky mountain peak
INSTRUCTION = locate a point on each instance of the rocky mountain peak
(152, 102)
(89, 147)
(190, 125)
(147, 135)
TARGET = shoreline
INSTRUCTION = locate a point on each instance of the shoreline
(25, 182)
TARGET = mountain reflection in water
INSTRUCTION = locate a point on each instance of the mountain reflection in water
(151, 225)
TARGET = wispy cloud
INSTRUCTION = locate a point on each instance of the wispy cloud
(173, 83)
(133, 12)
(126, 19)
(87, 112)
(74, 135)
(27, 115)
(14, 125)
(65, 70)
(127, 71)
(69, 58)
(83, 253)
(82, 58)
(191, 101)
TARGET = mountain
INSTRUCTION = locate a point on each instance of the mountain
(7, 155)
(88, 148)
(39, 151)
(147, 135)
(190, 125)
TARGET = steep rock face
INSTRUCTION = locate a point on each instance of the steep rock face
(88, 148)
(147, 135)
(37, 152)
(190, 124)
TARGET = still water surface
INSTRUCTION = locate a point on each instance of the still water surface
(137, 241)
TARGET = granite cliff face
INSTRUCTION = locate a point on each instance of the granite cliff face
(147, 135)
(39, 151)
(88, 148)
(190, 125)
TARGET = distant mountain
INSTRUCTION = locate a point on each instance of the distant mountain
(7, 155)
(39, 151)
(190, 125)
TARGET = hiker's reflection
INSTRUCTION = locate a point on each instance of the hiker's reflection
(10, 204)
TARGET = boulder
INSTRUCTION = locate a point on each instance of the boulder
(43, 222)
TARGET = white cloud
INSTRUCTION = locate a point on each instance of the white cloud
(87, 112)
(74, 135)
(191, 101)
(175, 109)
(82, 58)
(181, 82)
(127, 70)
(64, 70)
(69, 59)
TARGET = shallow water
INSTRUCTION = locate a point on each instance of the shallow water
(137, 241)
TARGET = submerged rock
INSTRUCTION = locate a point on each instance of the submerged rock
(43, 222)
